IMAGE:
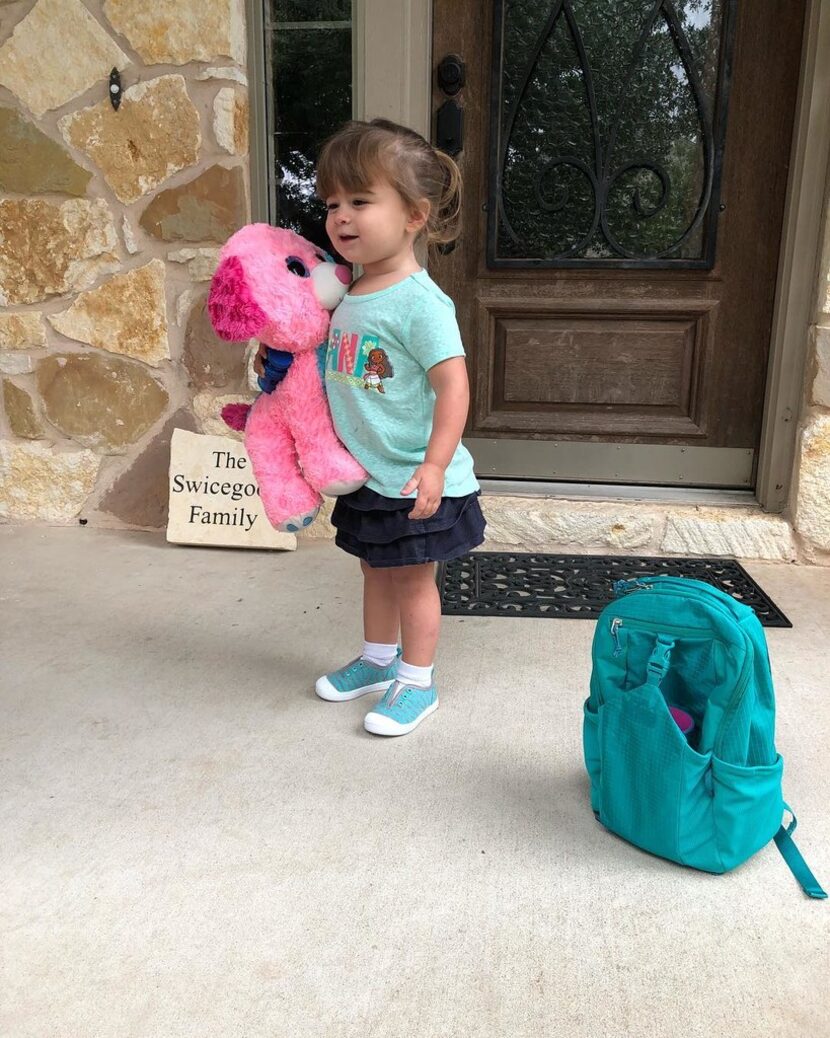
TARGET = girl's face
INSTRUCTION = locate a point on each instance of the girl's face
(371, 226)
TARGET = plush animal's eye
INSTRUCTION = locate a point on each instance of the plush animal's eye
(296, 266)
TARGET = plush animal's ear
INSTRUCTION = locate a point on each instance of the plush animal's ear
(236, 415)
(234, 313)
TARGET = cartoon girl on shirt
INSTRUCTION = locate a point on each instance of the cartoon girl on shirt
(377, 368)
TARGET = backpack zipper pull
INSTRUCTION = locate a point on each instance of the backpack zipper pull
(625, 587)
(616, 624)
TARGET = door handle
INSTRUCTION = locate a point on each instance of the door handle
(449, 128)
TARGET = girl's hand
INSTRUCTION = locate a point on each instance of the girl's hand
(428, 479)
(259, 359)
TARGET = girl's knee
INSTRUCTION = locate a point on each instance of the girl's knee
(414, 575)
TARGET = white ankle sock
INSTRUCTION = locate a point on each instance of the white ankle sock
(377, 652)
(420, 677)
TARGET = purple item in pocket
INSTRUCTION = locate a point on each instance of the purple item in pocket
(685, 722)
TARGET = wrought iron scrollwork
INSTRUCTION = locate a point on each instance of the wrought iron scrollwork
(610, 184)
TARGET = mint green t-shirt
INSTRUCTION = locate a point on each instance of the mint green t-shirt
(381, 346)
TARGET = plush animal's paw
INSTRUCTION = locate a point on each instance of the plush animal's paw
(341, 487)
(298, 522)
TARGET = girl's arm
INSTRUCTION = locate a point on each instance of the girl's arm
(452, 392)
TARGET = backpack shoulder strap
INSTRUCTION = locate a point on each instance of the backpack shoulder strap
(792, 856)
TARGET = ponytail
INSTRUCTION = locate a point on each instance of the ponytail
(445, 227)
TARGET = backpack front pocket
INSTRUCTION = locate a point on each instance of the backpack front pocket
(655, 790)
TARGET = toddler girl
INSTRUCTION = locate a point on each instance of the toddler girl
(397, 387)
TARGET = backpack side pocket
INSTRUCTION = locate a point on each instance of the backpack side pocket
(590, 749)
(748, 806)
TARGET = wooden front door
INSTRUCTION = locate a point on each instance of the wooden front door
(625, 166)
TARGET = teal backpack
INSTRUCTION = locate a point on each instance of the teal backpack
(674, 655)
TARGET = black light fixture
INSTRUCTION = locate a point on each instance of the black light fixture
(115, 88)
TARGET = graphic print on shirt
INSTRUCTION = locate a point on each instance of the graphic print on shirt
(364, 366)
(377, 368)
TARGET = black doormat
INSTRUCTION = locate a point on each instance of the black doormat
(578, 586)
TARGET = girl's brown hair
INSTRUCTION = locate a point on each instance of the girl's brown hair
(360, 152)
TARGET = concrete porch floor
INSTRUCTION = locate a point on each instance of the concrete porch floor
(194, 845)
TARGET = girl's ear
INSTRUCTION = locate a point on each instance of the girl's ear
(419, 216)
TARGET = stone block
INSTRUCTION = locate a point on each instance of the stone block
(48, 249)
(235, 74)
(57, 52)
(101, 402)
(37, 482)
(230, 121)
(32, 163)
(209, 208)
(127, 315)
(201, 263)
(15, 363)
(24, 331)
(154, 134)
(550, 525)
(176, 32)
(209, 360)
(738, 532)
(821, 382)
(20, 411)
(812, 512)
(139, 495)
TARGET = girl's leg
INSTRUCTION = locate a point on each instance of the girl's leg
(419, 608)
(381, 621)
(376, 667)
(413, 696)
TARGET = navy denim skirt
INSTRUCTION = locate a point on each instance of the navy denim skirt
(378, 529)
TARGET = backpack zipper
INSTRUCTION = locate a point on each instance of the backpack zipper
(616, 624)
(677, 583)
(648, 625)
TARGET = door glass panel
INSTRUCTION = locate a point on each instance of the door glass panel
(310, 57)
(607, 128)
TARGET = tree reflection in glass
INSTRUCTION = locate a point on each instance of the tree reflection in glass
(606, 141)
(311, 58)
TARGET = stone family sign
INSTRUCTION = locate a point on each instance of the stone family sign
(214, 498)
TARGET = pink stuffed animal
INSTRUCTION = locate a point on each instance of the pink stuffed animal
(275, 286)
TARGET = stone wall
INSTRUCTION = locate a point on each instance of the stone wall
(110, 223)
(811, 510)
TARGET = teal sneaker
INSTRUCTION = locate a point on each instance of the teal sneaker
(356, 679)
(401, 709)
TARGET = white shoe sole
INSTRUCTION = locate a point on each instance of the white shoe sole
(325, 690)
(380, 724)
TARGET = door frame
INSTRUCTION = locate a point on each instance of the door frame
(798, 265)
(398, 33)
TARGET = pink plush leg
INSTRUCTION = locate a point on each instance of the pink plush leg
(287, 498)
(326, 463)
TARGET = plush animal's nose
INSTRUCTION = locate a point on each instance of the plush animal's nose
(343, 274)
(329, 284)
(234, 313)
